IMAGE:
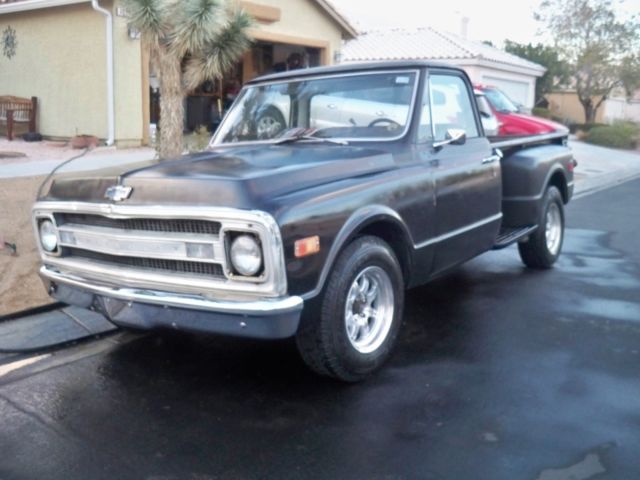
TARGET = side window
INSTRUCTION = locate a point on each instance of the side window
(451, 106)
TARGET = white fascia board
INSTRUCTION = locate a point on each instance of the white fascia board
(28, 5)
(343, 22)
(480, 62)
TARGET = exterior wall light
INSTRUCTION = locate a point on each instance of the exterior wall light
(134, 33)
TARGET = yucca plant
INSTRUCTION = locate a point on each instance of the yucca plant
(211, 35)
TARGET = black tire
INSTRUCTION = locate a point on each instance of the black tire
(323, 340)
(536, 251)
(270, 123)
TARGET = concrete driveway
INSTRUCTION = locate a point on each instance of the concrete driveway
(600, 167)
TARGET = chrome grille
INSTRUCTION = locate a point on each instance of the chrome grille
(210, 270)
(166, 248)
(151, 245)
(200, 227)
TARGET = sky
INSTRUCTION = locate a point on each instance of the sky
(493, 20)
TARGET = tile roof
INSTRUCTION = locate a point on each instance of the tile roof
(426, 44)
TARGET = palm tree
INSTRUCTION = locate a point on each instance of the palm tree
(211, 35)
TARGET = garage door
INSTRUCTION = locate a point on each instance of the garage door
(516, 91)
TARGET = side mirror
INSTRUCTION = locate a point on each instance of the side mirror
(454, 136)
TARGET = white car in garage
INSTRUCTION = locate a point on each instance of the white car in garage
(350, 108)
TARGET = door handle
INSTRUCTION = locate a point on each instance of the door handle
(491, 159)
(434, 163)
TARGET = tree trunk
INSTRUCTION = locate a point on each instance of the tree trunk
(171, 106)
(590, 111)
(590, 115)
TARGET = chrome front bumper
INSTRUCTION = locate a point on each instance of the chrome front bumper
(147, 309)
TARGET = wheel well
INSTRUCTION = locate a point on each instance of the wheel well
(558, 181)
(397, 239)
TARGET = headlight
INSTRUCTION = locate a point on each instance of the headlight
(48, 237)
(246, 255)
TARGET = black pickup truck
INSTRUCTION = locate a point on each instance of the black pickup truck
(324, 194)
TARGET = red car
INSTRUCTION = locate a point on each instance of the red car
(512, 121)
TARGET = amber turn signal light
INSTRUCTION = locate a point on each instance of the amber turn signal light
(307, 246)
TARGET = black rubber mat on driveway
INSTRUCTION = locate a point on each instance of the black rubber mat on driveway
(47, 330)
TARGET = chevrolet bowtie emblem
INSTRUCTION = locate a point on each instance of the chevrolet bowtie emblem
(118, 193)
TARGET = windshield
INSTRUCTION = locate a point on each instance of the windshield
(348, 107)
(483, 106)
(500, 101)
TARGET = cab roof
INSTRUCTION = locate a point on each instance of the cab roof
(352, 68)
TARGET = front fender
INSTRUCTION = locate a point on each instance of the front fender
(357, 222)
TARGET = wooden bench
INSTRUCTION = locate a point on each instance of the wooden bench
(18, 110)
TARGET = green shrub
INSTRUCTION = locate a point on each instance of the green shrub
(619, 135)
(541, 112)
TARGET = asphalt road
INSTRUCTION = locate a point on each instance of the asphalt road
(500, 373)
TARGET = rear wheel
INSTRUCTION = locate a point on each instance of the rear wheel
(359, 316)
(543, 247)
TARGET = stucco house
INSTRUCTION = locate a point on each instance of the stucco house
(92, 76)
(565, 105)
(483, 63)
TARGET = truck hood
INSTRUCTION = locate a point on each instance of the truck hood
(239, 177)
(521, 124)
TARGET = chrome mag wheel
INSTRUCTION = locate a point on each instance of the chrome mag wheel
(553, 229)
(542, 248)
(369, 309)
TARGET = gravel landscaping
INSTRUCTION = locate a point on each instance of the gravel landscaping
(33, 151)
(20, 286)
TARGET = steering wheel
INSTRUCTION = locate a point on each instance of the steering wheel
(392, 123)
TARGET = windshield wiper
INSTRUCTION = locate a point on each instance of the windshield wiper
(297, 134)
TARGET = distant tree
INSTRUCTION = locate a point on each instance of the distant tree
(596, 44)
(557, 70)
(190, 41)
(630, 74)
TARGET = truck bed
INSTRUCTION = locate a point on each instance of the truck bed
(509, 143)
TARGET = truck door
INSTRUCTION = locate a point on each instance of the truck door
(468, 188)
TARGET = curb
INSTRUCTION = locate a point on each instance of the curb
(32, 311)
(51, 329)
(612, 180)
